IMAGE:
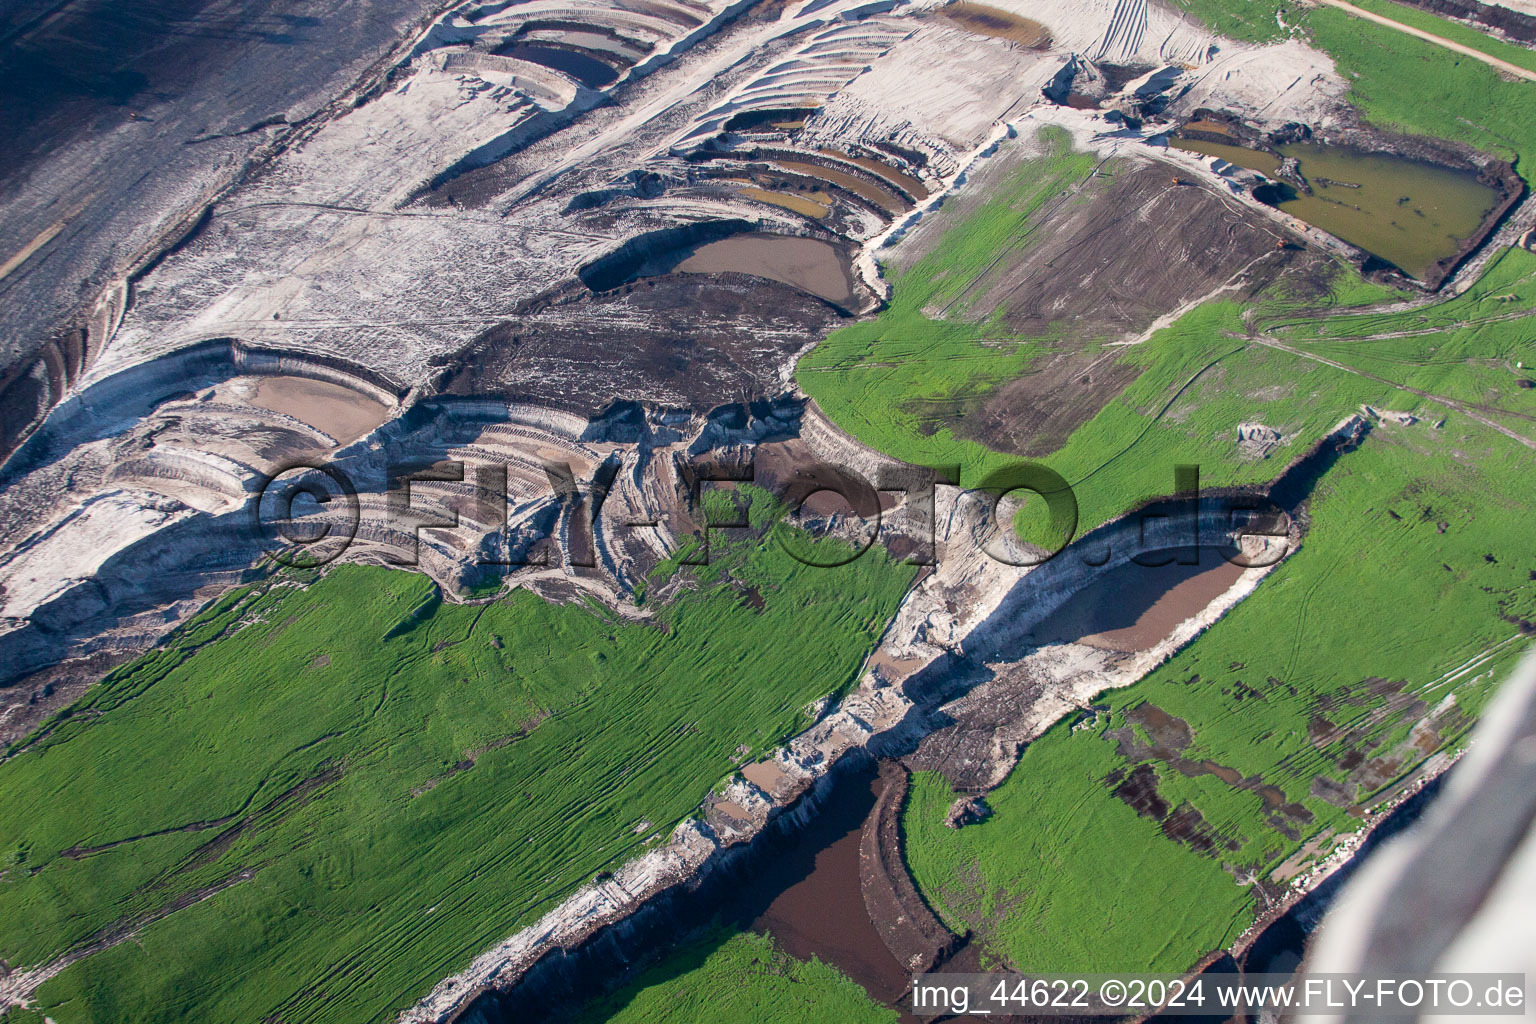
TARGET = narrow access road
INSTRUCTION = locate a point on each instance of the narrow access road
(1502, 65)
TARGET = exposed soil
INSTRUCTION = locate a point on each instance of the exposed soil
(917, 939)
(30, 700)
(689, 340)
(998, 24)
(790, 471)
(1031, 415)
(1109, 269)
(1169, 737)
(1143, 246)
(1515, 25)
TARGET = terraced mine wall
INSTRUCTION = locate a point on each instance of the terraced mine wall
(144, 194)
(32, 386)
(126, 396)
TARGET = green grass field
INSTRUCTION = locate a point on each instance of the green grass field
(1198, 379)
(1401, 83)
(737, 977)
(377, 786)
(1416, 560)
(1067, 876)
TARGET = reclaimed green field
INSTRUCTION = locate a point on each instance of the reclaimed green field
(1416, 562)
(1359, 628)
(314, 801)
(1197, 380)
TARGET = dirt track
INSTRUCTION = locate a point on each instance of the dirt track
(1503, 65)
(914, 935)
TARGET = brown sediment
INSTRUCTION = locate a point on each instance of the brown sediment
(732, 809)
(915, 936)
(816, 206)
(912, 185)
(341, 412)
(1191, 129)
(1035, 412)
(765, 775)
(890, 202)
(891, 668)
(998, 24)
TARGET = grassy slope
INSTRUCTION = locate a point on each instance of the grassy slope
(1469, 348)
(1401, 83)
(1067, 876)
(876, 378)
(879, 378)
(738, 977)
(363, 893)
(1455, 31)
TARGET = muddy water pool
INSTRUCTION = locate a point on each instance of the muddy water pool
(1132, 607)
(805, 263)
(1410, 213)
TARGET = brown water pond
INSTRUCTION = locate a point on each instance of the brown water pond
(341, 412)
(1410, 213)
(805, 263)
(810, 899)
(1132, 607)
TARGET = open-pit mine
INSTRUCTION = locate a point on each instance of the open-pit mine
(660, 510)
